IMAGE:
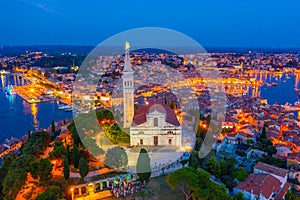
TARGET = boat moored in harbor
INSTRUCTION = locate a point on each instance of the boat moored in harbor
(10, 90)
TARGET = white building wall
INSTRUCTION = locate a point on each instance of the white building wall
(147, 131)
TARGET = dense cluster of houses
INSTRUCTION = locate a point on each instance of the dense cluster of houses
(265, 183)
(11, 145)
(247, 116)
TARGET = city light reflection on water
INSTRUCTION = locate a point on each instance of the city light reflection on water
(34, 111)
(17, 116)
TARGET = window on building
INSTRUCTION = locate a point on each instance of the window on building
(83, 190)
(141, 142)
(155, 121)
(170, 141)
(76, 191)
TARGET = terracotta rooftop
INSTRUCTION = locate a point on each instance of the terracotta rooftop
(283, 191)
(271, 169)
(294, 156)
(141, 112)
(260, 183)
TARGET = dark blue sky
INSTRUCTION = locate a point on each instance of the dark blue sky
(221, 23)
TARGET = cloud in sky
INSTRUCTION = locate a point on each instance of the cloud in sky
(42, 5)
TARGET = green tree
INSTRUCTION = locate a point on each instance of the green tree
(72, 129)
(68, 153)
(267, 146)
(116, 157)
(238, 196)
(291, 196)
(8, 159)
(41, 169)
(228, 166)
(52, 193)
(83, 168)
(194, 160)
(45, 168)
(213, 167)
(66, 168)
(207, 189)
(58, 152)
(76, 156)
(184, 162)
(104, 114)
(17, 172)
(34, 169)
(263, 134)
(240, 174)
(143, 167)
(186, 179)
(196, 184)
(28, 133)
(53, 126)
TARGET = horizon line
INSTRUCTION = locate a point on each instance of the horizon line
(204, 46)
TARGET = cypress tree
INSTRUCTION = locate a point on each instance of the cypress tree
(66, 168)
(75, 156)
(143, 167)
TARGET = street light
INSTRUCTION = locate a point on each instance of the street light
(72, 193)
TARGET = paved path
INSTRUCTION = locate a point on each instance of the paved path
(96, 196)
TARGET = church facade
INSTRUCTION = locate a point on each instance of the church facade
(153, 124)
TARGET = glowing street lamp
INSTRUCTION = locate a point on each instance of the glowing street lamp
(72, 193)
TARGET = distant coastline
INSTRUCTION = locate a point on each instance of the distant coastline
(14, 50)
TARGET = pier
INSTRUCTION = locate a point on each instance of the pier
(33, 94)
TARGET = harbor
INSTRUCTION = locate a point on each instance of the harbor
(19, 116)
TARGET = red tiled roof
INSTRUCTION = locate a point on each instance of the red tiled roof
(283, 191)
(294, 156)
(140, 113)
(271, 169)
(260, 183)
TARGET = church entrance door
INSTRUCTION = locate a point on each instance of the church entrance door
(155, 140)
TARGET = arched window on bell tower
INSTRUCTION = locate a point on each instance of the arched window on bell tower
(155, 122)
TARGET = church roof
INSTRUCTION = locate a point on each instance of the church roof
(140, 114)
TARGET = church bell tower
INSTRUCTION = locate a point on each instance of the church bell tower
(128, 89)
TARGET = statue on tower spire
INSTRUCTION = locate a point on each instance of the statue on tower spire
(127, 46)
(127, 64)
